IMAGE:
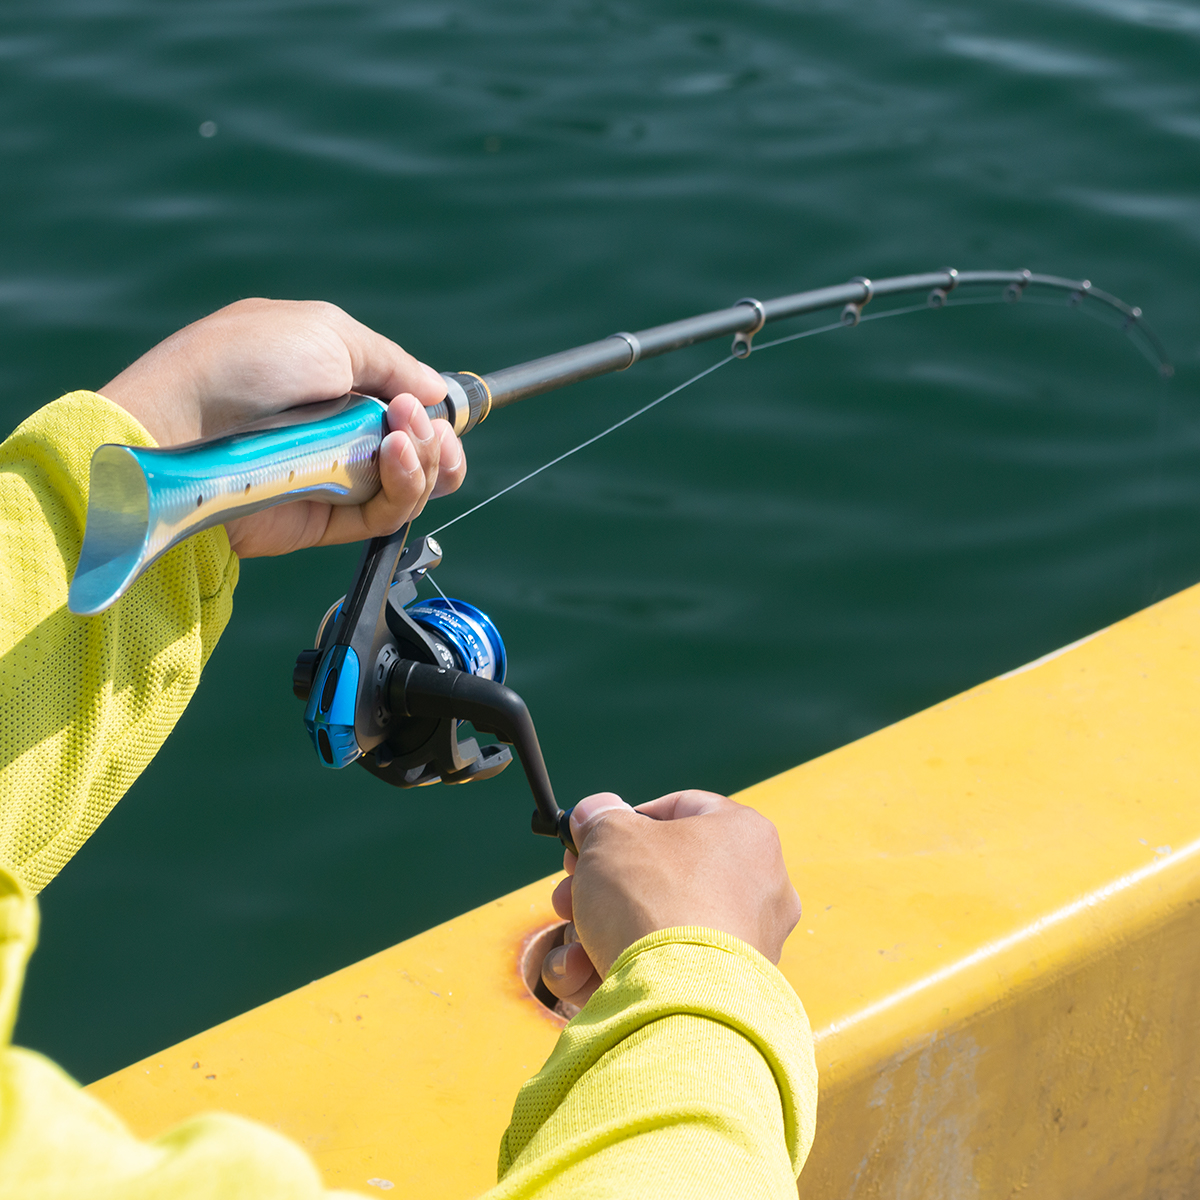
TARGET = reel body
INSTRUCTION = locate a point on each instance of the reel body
(389, 681)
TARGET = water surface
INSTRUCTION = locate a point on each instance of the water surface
(806, 547)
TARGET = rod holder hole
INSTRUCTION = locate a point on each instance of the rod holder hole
(536, 949)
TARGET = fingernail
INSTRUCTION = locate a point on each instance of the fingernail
(603, 803)
(420, 425)
(456, 451)
(556, 962)
(408, 454)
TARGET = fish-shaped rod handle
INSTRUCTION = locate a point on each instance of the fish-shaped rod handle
(143, 501)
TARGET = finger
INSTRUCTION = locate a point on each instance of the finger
(591, 810)
(690, 803)
(576, 1000)
(402, 496)
(561, 899)
(408, 468)
(570, 862)
(452, 462)
(395, 503)
(381, 368)
(406, 414)
(567, 970)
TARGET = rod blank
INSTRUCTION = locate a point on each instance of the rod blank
(620, 350)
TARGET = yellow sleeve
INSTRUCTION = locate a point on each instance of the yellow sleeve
(85, 702)
(690, 1073)
(58, 1143)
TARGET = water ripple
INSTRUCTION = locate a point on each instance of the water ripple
(1029, 58)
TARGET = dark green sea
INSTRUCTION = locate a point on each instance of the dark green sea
(791, 554)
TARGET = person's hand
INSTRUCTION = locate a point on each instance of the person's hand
(258, 357)
(703, 860)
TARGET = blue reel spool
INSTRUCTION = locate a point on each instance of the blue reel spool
(470, 634)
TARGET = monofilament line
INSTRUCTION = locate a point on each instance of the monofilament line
(633, 415)
(584, 445)
(791, 337)
(429, 576)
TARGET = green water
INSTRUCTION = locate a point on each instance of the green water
(804, 548)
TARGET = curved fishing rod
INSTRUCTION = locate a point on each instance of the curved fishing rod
(144, 501)
(388, 680)
(472, 397)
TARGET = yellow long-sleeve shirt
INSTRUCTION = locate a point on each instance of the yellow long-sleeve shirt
(689, 1073)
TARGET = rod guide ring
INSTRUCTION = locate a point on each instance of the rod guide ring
(937, 298)
(852, 313)
(1016, 289)
(744, 337)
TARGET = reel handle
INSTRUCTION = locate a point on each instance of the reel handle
(417, 689)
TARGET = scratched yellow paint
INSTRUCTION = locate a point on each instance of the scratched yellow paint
(1000, 954)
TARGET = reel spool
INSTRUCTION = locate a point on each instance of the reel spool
(471, 638)
(389, 681)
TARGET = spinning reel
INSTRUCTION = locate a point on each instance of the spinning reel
(389, 681)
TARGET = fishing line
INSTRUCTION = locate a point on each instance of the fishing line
(583, 445)
(429, 576)
(1152, 352)
(791, 337)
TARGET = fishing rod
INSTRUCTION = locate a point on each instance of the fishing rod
(472, 397)
(388, 681)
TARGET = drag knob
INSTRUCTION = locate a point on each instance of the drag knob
(304, 673)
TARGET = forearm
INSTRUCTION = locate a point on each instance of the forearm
(689, 1073)
(89, 699)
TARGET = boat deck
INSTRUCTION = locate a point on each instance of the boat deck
(1000, 955)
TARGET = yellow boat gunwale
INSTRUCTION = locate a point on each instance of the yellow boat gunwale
(999, 953)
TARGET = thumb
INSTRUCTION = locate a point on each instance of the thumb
(590, 811)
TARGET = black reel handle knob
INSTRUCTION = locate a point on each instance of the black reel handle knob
(564, 829)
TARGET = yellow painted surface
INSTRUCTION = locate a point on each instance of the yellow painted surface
(1000, 954)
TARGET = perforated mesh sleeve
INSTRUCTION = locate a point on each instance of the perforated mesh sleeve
(689, 1074)
(85, 702)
